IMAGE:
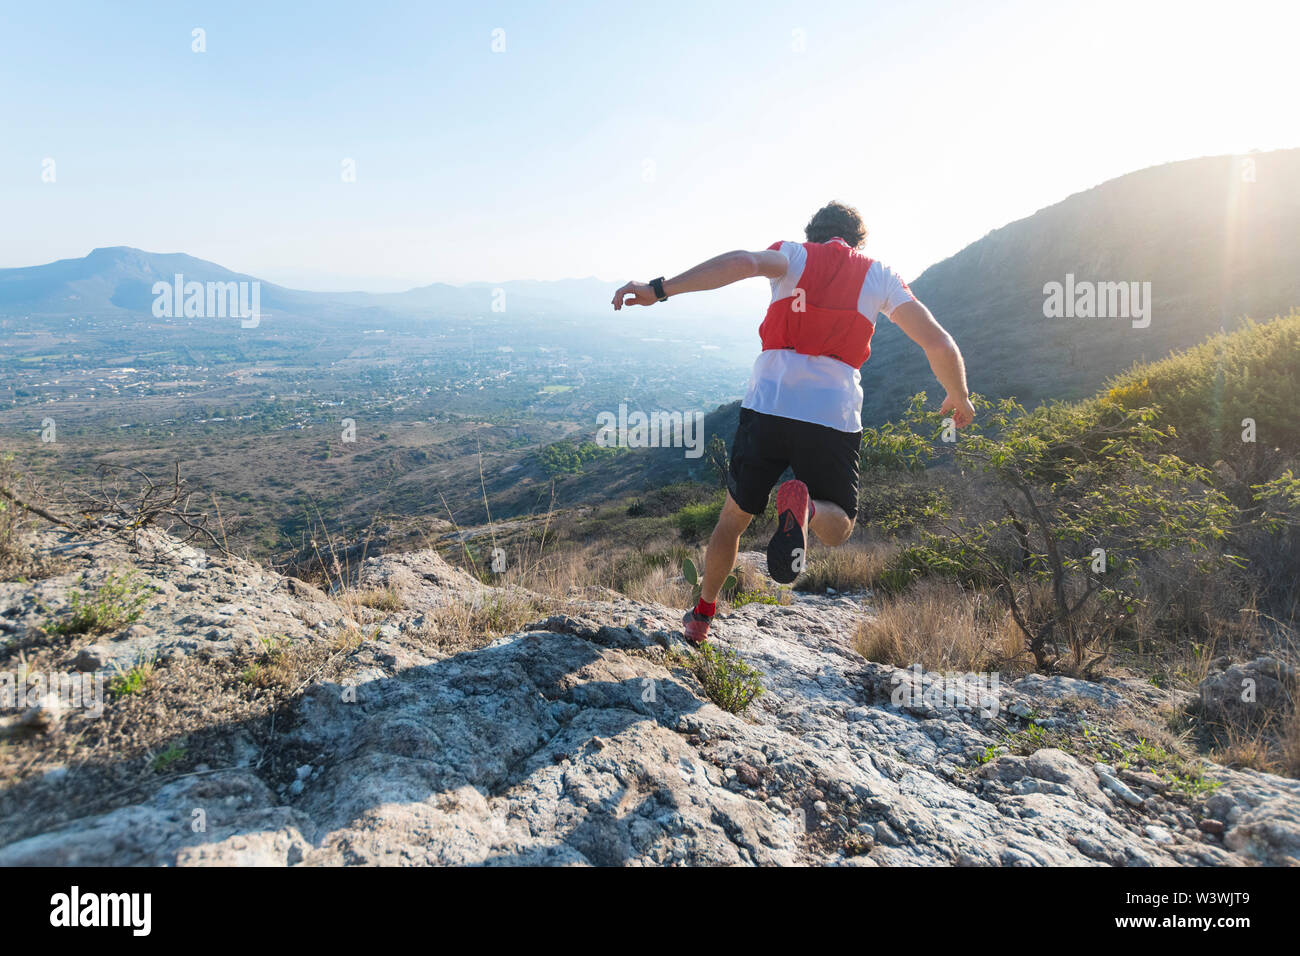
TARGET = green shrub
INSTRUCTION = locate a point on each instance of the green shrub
(1205, 392)
(566, 458)
(729, 682)
(755, 597)
(898, 505)
(934, 556)
(666, 501)
(898, 445)
(697, 520)
(132, 681)
(1065, 483)
(114, 604)
(168, 757)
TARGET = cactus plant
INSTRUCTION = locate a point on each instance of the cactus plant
(694, 579)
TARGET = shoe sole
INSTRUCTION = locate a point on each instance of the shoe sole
(787, 550)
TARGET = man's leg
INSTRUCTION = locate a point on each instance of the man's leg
(756, 464)
(718, 562)
(723, 547)
(828, 463)
(829, 522)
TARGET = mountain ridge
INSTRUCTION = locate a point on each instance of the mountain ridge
(121, 278)
(1218, 241)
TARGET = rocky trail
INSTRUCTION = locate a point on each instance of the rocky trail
(577, 738)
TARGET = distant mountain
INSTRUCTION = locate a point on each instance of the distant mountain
(1218, 239)
(569, 296)
(121, 279)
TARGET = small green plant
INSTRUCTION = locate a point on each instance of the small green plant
(1034, 738)
(273, 644)
(1193, 784)
(754, 597)
(730, 683)
(1035, 735)
(694, 579)
(168, 757)
(114, 604)
(272, 665)
(1183, 776)
(132, 681)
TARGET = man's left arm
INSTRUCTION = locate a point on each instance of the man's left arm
(713, 274)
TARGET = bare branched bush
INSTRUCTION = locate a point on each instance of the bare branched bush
(125, 501)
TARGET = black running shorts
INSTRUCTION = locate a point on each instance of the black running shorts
(825, 459)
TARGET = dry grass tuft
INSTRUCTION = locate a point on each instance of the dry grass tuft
(649, 572)
(465, 624)
(942, 627)
(385, 599)
(1271, 745)
(854, 566)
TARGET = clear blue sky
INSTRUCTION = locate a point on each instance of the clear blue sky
(940, 120)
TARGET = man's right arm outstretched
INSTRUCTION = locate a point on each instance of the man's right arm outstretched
(945, 358)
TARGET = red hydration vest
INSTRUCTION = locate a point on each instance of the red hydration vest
(822, 317)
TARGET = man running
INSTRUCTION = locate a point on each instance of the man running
(803, 408)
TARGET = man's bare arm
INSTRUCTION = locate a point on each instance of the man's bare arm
(945, 358)
(714, 274)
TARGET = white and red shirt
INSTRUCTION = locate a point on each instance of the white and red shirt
(818, 331)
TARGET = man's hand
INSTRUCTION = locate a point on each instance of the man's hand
(963, 412)
(634, 293)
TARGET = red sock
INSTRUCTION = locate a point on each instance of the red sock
(812, 509)
(706, 608)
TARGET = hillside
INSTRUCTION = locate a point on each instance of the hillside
(1214, 247)
(277, 725)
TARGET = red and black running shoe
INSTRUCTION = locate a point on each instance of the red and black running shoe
(786, 552)
(695, 628)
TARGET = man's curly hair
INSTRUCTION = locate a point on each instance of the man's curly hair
(836, 220)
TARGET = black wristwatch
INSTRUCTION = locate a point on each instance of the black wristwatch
(658, 286)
